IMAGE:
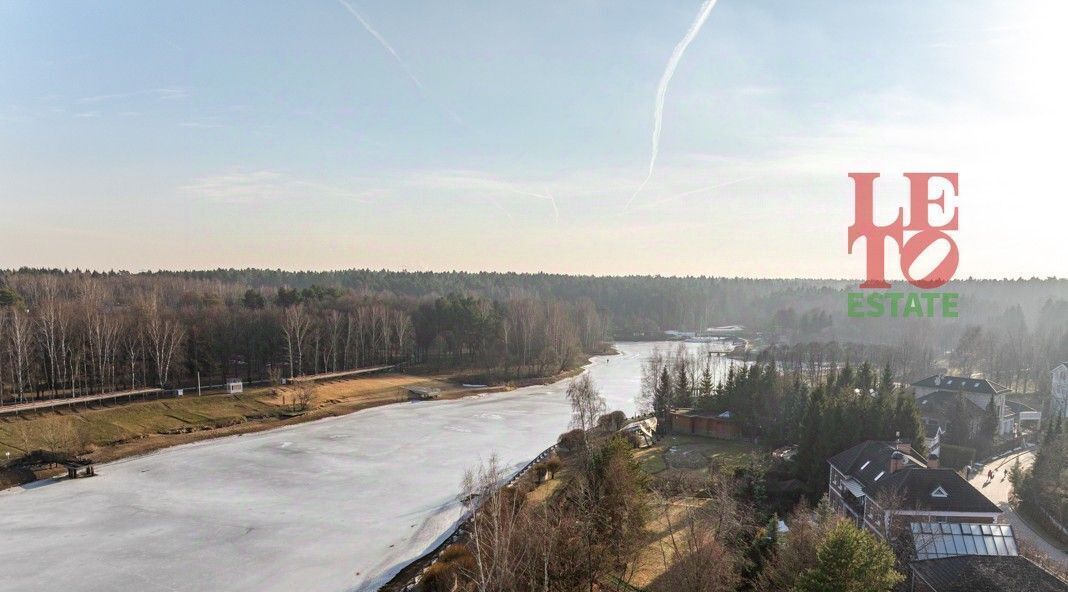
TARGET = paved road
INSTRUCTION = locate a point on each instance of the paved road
(72, 401)
(998, 491)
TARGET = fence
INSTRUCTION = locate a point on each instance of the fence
(462, 525)
(153, 394)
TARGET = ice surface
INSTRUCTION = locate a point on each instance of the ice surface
(337, 504)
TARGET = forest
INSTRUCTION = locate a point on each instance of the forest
(67, 331)
(67, 334)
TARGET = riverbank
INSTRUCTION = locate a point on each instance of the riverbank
(108, 434)
(339, 504)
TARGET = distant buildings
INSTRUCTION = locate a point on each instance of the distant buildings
(936, 398)
(1059, 391)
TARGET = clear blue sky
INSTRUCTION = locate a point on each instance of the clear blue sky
(146, 135)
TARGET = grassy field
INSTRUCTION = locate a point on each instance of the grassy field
(676, 455)
(106, 433)
(694, 454)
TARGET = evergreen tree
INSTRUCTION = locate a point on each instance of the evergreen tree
(990, 421)
(706, 386)
(850, 560)
(683, 393)
(886, 381)
(662, 394)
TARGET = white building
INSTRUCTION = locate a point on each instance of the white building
(979, 391)
(1059, 391)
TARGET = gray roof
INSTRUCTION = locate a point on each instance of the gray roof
(971, 573)
(961, 383)
(942, 405)
(865, 461)
(913, 488)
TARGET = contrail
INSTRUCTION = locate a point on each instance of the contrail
(385, 44)
(661, 91)
(382, 41)
(546, 195)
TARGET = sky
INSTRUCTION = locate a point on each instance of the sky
(514, 136)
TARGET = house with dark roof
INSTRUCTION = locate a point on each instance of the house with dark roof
(941, 391)
(938, 410)
(886, 487)
(972, 573)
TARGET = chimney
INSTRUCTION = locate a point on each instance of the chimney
(932, 461)
(902, 445)
(897, 461)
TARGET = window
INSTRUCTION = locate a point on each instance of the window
(939, 492)
(879, 476)
(865, 465)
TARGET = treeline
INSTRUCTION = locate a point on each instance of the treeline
(1043, 488)
(1012, 331)
(792, 309)
(68, 334)
(779, 405)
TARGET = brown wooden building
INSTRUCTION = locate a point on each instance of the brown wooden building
(705, 423)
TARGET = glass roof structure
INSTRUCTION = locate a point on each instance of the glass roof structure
(933, 540)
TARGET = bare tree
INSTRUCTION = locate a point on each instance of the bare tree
(20, 344)
(305, 394)
(402, 330)
(163, 336)
(295, 327)
(587, 404)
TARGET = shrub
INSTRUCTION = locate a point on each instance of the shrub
(439, 577)
(612, 422)
(539, 472)
(553, 464)
(571, 441)
(454, 552)
(956, 457)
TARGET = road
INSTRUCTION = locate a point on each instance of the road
(73, 401)
(998, 491)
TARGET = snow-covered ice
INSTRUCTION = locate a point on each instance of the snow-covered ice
(337, 504)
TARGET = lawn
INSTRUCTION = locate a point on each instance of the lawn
(694, 453)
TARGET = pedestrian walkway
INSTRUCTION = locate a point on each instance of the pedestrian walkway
(999, 489)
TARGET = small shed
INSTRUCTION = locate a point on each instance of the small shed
(234, 386)
(78, 467)
(705, 423)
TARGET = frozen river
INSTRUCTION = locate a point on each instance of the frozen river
(337, 504)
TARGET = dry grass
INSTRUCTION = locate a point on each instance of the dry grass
(658, 555)
(384, 388)
(694, 454)
(110, 433)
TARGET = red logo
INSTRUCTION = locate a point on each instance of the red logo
(921, 234)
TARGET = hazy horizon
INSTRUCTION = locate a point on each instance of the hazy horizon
(506, 137)
(309, 270)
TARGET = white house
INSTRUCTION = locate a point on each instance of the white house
(1059, 390)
